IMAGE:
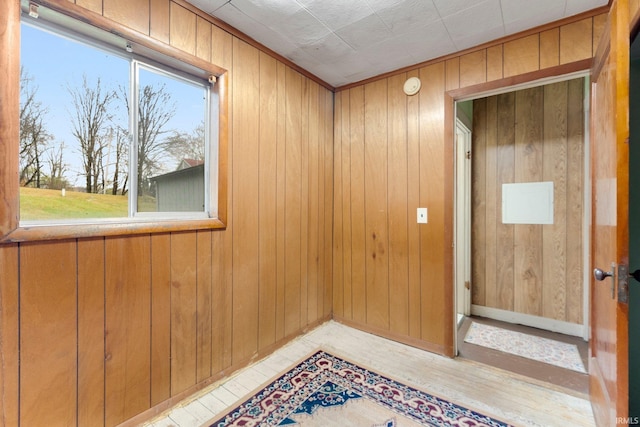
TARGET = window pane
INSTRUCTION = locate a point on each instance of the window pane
(171, 144)
(73, 129)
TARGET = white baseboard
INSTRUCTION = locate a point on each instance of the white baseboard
(559, 326)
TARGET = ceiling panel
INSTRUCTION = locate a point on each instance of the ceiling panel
(342, 41)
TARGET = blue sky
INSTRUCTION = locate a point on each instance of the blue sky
(56, 63)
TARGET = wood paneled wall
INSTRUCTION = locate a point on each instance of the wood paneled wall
(530, 135)
(108, 328)
(394, 153)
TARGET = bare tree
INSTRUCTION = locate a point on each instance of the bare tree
(155, 110)
(33, 135)
(57, 167)
(183, 145)
(92, 114)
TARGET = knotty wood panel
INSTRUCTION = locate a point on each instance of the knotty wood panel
(524, 137)
(357, 202)
(293, 201)
(160, 318)
(127, 331)
(341, 255)
(436, 321)
(528, 165)
(376, 209)
(184, 304)
(48, 340)
(268, 213)
(91, 315)
(246, 62)
(204, 306)
(9, 328)
(397, 206)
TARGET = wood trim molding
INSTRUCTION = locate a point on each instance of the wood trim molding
(547, 73)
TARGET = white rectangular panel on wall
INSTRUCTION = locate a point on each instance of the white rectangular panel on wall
(527, 203)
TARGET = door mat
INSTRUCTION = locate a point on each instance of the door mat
(325, 390)
(532, 347)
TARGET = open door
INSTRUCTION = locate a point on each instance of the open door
(608, 358)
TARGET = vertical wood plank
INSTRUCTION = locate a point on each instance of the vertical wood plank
(304, 205)
(478, 201)
(575, 200)
(184, 305)
(9, 330)
(246, 110)
(48, 328)
(413, 202)
(576, 41)
(453, 73)
(599, 24)
(159, 20)
(495, 63)
(280, 201)
(160, 317)
(491, 213)
(293, 200)
(315, 201)
(203, 38)
(528, 253)
(346, 205)
(267, 209)
(344, 209)
(128, 337)
(435, 321)
(92, 5)
(506, 174)
(222, 240)
(132, 13)
(473, 68)
(182, 28)
(328, 189)
(554, 236)
(91, 315)
(397, 207)
(358, 239)
(341, 182)
(550, 48)
(204, 305)
(376, 215)
(522, 55)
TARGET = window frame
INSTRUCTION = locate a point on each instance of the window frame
(11, 230)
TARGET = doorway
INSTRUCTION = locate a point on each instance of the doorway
(523, 260)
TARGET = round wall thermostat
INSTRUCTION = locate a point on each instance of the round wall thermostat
(412, 86)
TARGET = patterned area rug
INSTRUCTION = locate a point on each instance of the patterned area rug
(325, 390)
(532, 347)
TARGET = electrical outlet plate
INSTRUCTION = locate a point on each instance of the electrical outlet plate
(422, 215)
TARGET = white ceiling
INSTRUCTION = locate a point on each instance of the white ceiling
(345, 41)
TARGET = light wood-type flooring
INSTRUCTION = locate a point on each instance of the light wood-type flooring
(511, 397)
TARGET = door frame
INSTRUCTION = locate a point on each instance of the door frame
(580, 330)
(462, 227)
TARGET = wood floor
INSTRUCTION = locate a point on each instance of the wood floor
(511, 397)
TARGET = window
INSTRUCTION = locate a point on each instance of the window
(108, 134)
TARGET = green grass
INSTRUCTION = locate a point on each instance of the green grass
(40, 204)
